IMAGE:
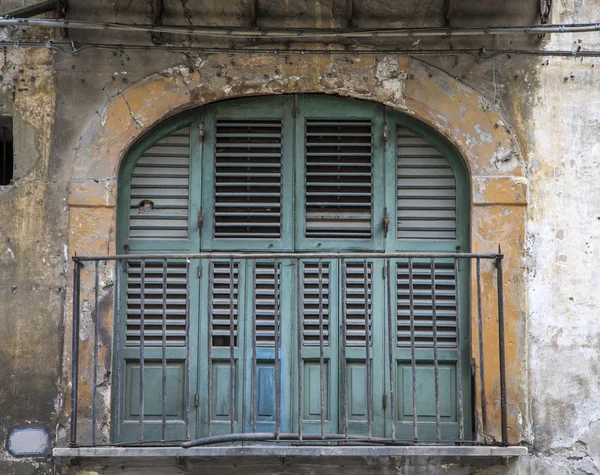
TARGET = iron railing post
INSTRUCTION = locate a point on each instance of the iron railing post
(503, 397)
(75, 350)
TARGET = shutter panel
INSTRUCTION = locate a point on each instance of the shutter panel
(355, 302)
(159, 197)
(426, 191)
(311, 302)
(248, 179)
(221, 303)
(153, 303)
(265, 302)
(339, 170)
(445, 304)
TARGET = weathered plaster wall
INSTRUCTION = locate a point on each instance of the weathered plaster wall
(550, 106)
(563, 134)
(33, 222)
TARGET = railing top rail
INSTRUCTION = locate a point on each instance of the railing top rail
(292, 255)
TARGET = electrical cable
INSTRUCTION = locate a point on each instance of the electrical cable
(304, 33)
(480, 54)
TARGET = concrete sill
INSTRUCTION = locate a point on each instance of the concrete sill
(288, 451)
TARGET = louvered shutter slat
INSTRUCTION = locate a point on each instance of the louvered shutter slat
(426, 194)
(221, 303)
(265, 302)
(355, 302)
(445, 299)
(248, 179)
(176, 303)
(160, 180)
(338, 192)
(310, 307)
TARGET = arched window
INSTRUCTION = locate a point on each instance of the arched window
(301, 174)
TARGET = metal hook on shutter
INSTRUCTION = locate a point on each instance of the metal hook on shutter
(386, 222)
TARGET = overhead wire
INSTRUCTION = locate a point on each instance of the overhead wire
(243, 32)
(478, 53)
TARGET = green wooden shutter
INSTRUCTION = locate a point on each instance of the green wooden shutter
(339, 171)
(338, 207)
(159, 197)
(248, 175)
(248, 179)
(154, 216)
(426, 207)
(429, 206)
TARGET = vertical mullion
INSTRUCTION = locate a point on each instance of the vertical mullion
(367, 349)
(95, 384)
(343, 270)
(253, 306)
(412, 347)
(118, 284)
(232, 385)
(276, 344)
(459, 355)
(209, 334)
(187, 349)
(299, 336)
(321, 348)
(391, 342)
(435, 352)
(164, 351)
(481, 355)
(142, 345)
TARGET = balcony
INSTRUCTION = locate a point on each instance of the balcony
(288, 353)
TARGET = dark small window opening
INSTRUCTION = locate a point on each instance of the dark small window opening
(6, 151)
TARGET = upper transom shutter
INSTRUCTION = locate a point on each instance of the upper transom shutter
(159, 198)
(426, 194)
(339, 171)
(248, 179)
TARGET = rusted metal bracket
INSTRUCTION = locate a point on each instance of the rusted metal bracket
(545, 10)
(253, 12)
(349, 13)
(157, 12)
(449, 11)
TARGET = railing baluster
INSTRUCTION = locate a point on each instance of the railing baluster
(75, 350)
(411, 301)
(461, 423)
(481, 355)
(253, 298)
(118, 284)
(232, 345)
(96, 319)
(503, 396)
(438, 429)
(187, 349)
(367, 349)
(299, 337)
(391, 341)
(344, 271)
(209, 335)
(142, 345)
(276, 341)
(321, 349)
(164, 350)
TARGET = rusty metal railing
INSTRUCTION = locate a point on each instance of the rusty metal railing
(289, 424)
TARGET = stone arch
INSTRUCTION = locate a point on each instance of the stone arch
(465, 118)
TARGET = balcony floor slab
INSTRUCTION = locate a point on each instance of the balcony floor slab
(291, 451)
